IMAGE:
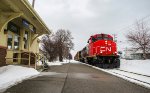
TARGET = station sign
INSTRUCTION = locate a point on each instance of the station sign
(29, 26)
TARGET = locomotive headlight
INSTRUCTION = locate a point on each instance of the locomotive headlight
(105, 42)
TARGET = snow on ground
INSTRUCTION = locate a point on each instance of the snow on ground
(54, 63)
(136, 79)
(73, 61)
(57, 63)
(11, 75)
(137, 66)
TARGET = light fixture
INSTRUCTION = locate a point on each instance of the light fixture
(5, 31)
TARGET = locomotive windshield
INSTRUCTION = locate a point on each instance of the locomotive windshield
(101, 37)
(106, 37)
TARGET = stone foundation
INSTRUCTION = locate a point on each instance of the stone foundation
(3, 52)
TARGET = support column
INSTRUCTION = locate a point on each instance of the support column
(3, 55)
(29, 45)
(21, 44)
(29, 59)
(35, 60)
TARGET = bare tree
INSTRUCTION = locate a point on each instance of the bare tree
(64, 43)
(57, 45)
(48, 47)
(70, 56)
(139, 37)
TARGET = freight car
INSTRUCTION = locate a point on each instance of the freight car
(100, 51)
(78, 57)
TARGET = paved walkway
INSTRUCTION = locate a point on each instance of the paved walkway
(76, 78)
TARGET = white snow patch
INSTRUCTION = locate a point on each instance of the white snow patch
(54, 63)
(73, 61)
(136, 66)
(58, 63)
(138, 79)
(11, 75)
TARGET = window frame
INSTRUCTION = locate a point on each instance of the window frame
(13, 40)
(12, 44)
(27, 46)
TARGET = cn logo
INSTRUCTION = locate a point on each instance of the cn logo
(104, 49)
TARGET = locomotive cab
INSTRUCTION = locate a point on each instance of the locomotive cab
(102, 49)
(102, 44)
(101, 37)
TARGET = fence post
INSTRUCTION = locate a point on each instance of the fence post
(35, 61)
(29, 59)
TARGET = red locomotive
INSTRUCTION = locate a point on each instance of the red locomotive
(100, 51)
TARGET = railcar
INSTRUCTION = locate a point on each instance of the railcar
(100, 51)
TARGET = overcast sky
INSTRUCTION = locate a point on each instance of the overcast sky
(87, 17)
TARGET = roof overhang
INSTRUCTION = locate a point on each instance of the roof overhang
(28, 13)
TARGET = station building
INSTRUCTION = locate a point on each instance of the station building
(20, 27)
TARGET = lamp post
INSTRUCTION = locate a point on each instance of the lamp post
(33, 2)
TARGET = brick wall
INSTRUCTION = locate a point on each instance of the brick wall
(3, 52)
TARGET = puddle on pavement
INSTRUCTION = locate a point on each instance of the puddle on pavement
(53, 74)
(85, 76)
(73, 75)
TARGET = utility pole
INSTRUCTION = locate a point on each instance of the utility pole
(33, 2)
(115, 37)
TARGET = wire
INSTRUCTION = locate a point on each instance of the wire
(145, 19)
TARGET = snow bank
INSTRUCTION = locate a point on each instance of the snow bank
(137, 66)
(57, 63)
(73, 61)
(54, 63)
(10, 75)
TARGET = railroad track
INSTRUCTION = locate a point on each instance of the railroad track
(118, 72)
(129, 77)
(133, 73)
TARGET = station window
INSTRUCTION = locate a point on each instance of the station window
(100, 37)
(13, 36)
(9, 42)
(16, 42)
(105, 37)
(110, 38)
(26, 36)
(13, 41)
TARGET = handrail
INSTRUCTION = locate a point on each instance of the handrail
(36, 56)
(18, 58)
